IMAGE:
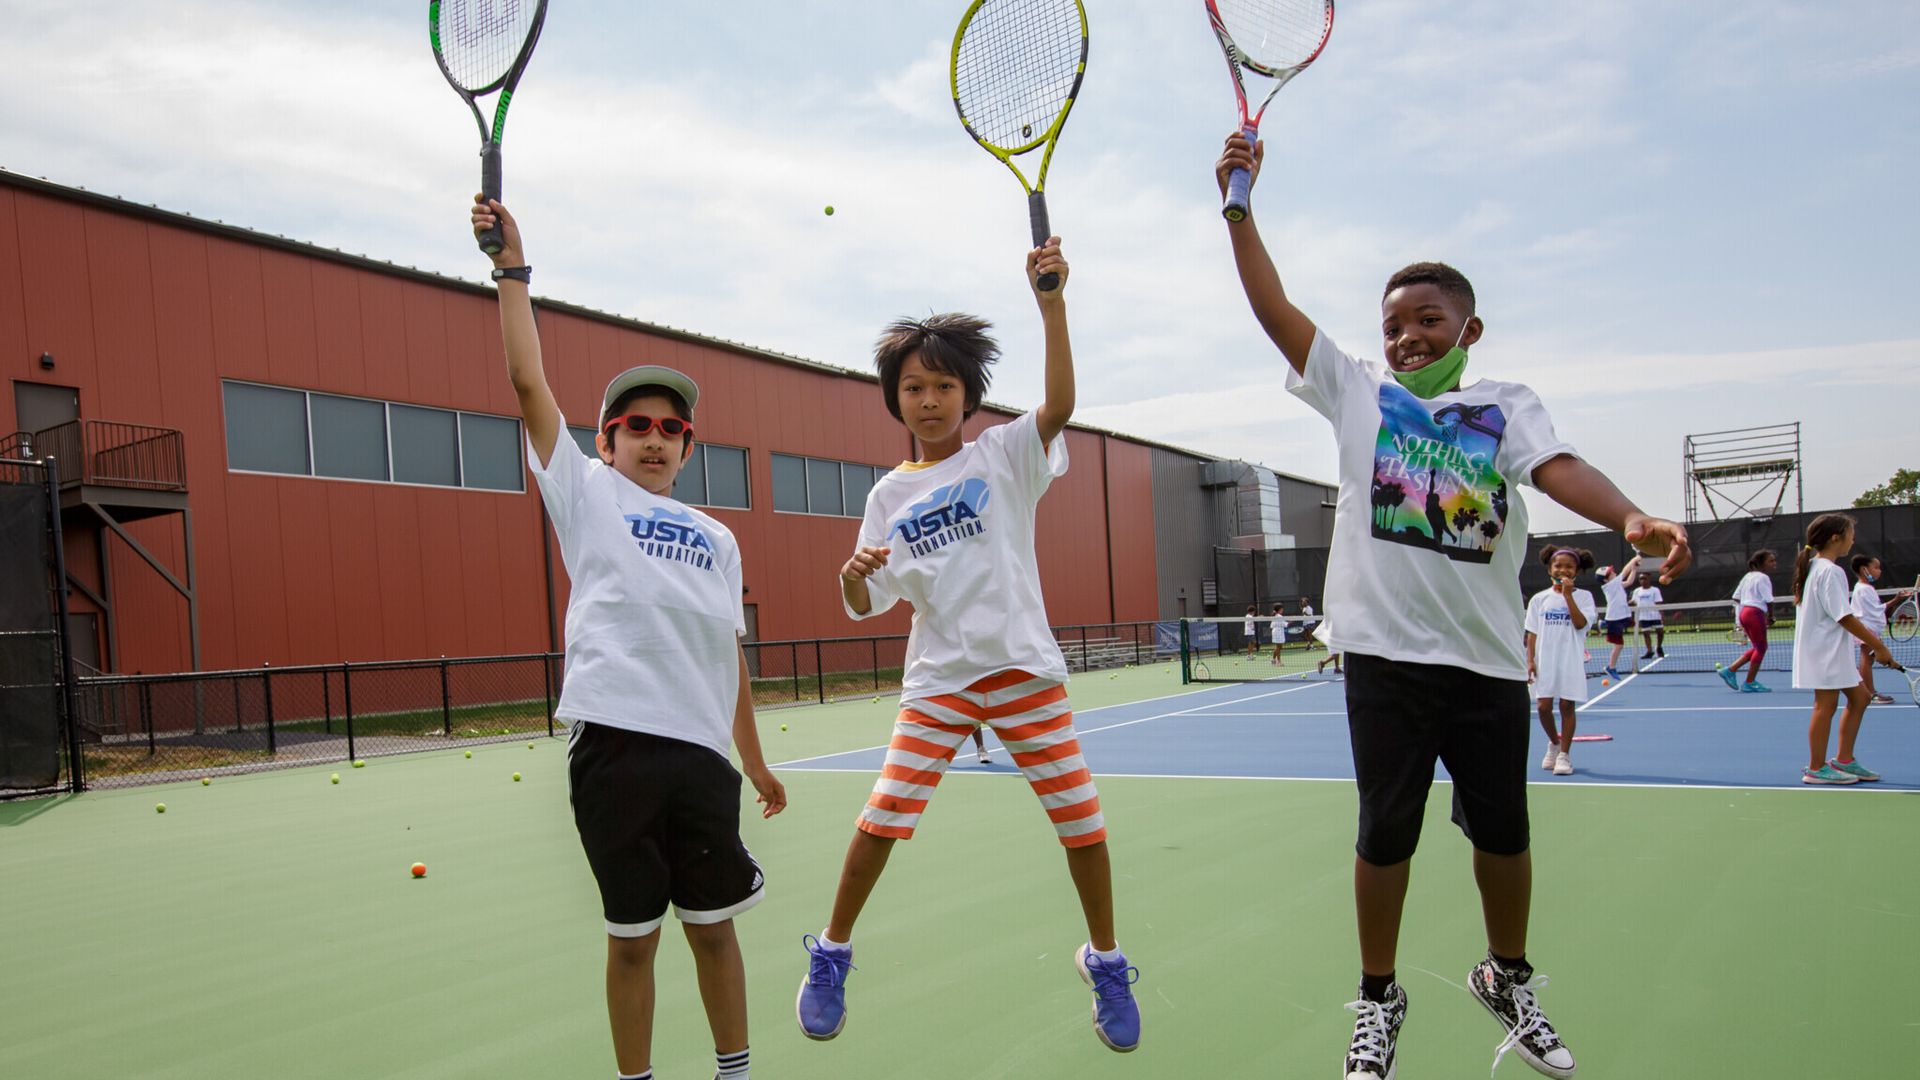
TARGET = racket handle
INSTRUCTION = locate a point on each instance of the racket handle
(1037, 217)
(493, 239)
(1239, 185)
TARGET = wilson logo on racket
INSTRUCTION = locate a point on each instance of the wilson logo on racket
(672, 535)
(948, 514)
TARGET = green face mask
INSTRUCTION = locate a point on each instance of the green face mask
(1438, 377)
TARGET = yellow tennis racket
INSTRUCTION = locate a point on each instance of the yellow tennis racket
(1017, 66)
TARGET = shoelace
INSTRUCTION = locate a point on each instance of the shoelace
(1528, 1020)
(1370, 1030)
(1112, 982)
(826, 968)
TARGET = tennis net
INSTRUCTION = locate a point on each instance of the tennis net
(1685, 638)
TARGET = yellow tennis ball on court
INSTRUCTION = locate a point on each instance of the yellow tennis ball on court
(829, 211)
(516, 778)
(783, 727)
(160, 808)
(336, 778)
(529, 746)
(204, 781)
(469, 753)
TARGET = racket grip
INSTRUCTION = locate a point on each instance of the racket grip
(493, 239)
(1037, 217)
(1239, 186)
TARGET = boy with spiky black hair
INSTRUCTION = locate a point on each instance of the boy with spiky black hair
(953, 535)
(1429, 532)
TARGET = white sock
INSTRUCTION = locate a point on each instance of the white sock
(730, 1066)
(828, 943)
(645, 1074)
(1107, 956)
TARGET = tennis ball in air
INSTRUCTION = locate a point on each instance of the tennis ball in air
(159, 808)
(419, 869)
(829, 211)
(204, 781)
(469, 753)
(336, 778)
(516, 778)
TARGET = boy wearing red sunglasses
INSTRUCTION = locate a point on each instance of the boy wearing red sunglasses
(656, 686)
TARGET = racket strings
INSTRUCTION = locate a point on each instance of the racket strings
(1274, 35)
(480, 39)
(1017, 66)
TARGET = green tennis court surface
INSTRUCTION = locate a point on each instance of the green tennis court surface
(267, 926)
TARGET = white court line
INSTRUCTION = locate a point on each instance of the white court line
(1620, 684)
(1559, 784)
(1078, 731)
(1702, 708)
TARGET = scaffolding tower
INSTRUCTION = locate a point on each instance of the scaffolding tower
(1735, 472)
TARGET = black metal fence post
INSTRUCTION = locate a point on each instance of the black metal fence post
(446, 707)
(146, 716)
(346, 691)
(876, 665)
(326, 699)
(546, 681)
(819, 672)
(76, 762)
(266, 690)
(794, 649)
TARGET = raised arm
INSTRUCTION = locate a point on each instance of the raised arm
(1289, 328)
(1057, 409)
(1586, 491)
(537, 408)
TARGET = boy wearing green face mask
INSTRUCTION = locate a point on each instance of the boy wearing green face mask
(1423, 595)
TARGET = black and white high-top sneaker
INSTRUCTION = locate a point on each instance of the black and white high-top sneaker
(1376, 1029)
(1509, 996)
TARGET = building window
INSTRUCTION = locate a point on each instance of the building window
(267, 429)
(803, 485)
(272, 429)
(714, 475)
(349, 437)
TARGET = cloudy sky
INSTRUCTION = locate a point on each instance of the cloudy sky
(1679, 217)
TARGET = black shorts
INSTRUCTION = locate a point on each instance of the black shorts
(1402, 718)
(660, 821)
(1616, 630)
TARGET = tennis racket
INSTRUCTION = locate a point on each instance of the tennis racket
(1273, 38)
(483, 46)
(1913, 680)
(1016, 68)
(1905, 618)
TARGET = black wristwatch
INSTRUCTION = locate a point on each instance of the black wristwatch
(522, 274)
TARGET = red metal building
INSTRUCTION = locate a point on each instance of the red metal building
(148, 351)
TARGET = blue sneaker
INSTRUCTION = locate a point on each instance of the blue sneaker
(1755, 688)
(1614, 674)
(1116, 1016)
(822, 1004)
(1726, 676)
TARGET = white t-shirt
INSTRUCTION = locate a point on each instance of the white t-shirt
(654, 620)
(1643, 604)
(1823, 651)
(961, 533)
(1869, 608)
(1755, 590)
(1429, 528)
(1615, 591)
(1559, 650)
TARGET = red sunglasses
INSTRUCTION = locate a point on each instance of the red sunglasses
(670, 426)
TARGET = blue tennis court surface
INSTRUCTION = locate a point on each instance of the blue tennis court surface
(1680, 730)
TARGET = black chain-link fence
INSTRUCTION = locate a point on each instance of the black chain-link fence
(141, 729)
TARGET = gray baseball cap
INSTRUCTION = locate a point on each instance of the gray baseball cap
(650, 375)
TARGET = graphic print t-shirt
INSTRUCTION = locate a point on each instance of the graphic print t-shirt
(1645, 604)
(1559, 650)
(961, 530)
(1429, 528)
(654, 618)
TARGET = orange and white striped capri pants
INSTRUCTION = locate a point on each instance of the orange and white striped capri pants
(1033, 719)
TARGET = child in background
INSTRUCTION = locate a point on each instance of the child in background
(1823, 653)
(1251, 631)
(1619, 617)
(1646, 610)
(1557, 619)
(1872, 611)
(1755, 597)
